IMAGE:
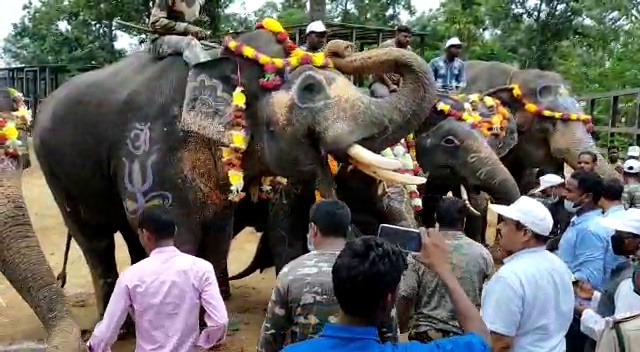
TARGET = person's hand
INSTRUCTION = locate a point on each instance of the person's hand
(434, 253)
(579, 308)
(393, 88)
(197, 32)
(583, 290)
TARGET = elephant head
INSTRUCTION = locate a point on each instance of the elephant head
(22, 261)
(463, 140)
(551, 123)
(321, 111)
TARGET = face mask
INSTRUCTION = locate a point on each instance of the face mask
(310, 243)
(570, 206)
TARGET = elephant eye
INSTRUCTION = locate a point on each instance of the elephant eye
(450, 142)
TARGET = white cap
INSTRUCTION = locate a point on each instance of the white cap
(627, 221)
(633, 150)
(631, 166)
(317, 27)
(548, 180)
(452, 42)
(529, 212)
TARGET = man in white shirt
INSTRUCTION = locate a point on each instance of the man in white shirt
(626, 242)
(528, 304)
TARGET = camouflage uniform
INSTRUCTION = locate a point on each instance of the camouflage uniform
(303, 301)
(631, 196)
(170, 20)
(434, 315)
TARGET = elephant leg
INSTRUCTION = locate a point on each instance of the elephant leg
(130, 237)
(214, 247)
(98, 247)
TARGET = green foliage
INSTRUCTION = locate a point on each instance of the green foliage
(593, 44)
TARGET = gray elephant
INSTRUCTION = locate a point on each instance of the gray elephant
(552, 129)
(22, 261)
(110, 141)
(446, 147)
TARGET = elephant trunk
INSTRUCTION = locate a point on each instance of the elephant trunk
(570, 139)
(485, 167)
(377, 123)
(24, 265)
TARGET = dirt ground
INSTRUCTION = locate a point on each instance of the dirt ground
(18, 324)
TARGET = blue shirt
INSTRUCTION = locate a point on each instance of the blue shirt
(583, 247)
(530, 298)
(612, 261)
(449, 75)
(339, 338)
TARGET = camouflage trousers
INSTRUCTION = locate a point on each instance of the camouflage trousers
(431, 335)
(190, 48)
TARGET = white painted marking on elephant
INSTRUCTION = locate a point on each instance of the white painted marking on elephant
(137, 182)
(206, 109)
(138, 141)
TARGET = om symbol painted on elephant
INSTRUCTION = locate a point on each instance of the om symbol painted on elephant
(136, 182)
(206, 108)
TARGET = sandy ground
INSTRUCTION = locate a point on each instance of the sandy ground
(19, 324)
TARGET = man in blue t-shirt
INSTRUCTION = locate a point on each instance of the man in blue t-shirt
(366, 276)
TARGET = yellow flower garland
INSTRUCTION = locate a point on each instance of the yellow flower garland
(494, 124)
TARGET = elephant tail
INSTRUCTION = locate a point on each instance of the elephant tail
(23, 263)
(261, 260)
(62, 276)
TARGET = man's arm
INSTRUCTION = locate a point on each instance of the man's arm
(433, 64)
(501, 311)
(215, 312)
(462, 76)
(407, 295)
(106, 332)
(590, 248)
(160, 23)
(278, 320)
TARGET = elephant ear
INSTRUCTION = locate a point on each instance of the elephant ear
(515, 105)
(208, 97)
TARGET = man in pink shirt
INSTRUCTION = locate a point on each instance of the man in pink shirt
(163, 293)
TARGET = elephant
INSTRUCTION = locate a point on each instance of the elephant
(148, 154)
(471, 158)
(22, 261)
(543, 141)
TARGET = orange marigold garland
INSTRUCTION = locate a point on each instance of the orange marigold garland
(334, 166)
(237, 138)
(562, 116)
(404, 151)
(492, 125)
(9, 137)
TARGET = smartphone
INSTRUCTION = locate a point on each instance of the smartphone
(403, 237)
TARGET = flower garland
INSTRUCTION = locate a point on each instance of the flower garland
(334, 166)
(494, 124)
(9, 137)
(272, 65)
(404, 151)
(237, 139)
(563, 116)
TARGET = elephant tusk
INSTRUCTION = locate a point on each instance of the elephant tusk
(465, 198)
(368, 157)
(388, 176)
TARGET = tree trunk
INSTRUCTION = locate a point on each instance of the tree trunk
(317, 10)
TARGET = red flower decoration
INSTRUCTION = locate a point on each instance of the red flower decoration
(3, 122)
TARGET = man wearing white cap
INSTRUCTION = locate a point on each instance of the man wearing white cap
(449, 69)
(631, 176)
(549, 193)
(315, 37)
(528, 304)
(622, 298)
(633, 152)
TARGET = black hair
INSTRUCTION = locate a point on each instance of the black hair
(589, 182)
(403, 29)
(451, 212)
(612, 147)
(612, 189)
(542, 239)
(332, 217)
(592, 155)
(158, 221)
(365, 272)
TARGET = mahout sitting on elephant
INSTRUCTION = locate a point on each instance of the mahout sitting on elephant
(112, 141)
(22, 261)
(462, 138)
(552, 127)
